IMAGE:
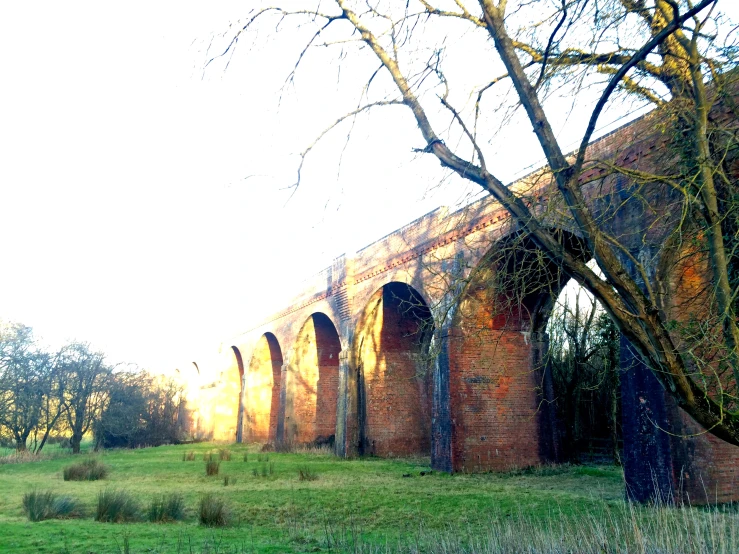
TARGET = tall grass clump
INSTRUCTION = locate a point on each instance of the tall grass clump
(621, 529)
(306, 474)
(266, 469)
(188, 456)
(212, 511)
(212, 467)
(166, 508)
(87, 470)
(224, 454)
(117, 507)
(39, 506)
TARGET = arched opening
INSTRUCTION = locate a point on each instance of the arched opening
(240, 418)
(583, 359)
(394, 377)
(227, 399)
(262, 391)
(501, 396)
(313, 383)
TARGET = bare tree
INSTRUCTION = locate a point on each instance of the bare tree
(664, 52)
(52, 404)
(85, 393)
(23, 369)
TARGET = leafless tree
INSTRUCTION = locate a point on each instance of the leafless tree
(86, 376)
(669, 53)
(23, 374)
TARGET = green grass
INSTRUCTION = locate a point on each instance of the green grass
(353, 502)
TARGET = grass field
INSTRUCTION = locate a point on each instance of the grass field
(369, 505)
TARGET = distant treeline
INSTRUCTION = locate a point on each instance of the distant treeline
(50, 396)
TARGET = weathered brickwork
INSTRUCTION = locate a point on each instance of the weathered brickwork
(394, 379)
(402, 349)
(262, 391)
(312, 382)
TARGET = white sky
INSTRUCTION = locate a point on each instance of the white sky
(142, 200)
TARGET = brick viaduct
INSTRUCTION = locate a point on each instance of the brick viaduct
(402, 349)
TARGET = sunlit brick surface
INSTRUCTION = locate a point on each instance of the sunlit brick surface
(262, 396)
(312, 382)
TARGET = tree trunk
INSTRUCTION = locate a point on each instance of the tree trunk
(75, 441)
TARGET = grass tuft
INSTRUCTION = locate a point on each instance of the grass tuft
(246, 456)
(224, 454)
(212, 511)
(116, 507)
(212, 467)
(188, 456)
(166, 508)
(306, 474)
(87, 470)
(39, 506)
(227, 480)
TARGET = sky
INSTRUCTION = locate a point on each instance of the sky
(146, 203)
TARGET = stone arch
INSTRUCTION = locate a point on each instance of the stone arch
(240, 418)
(500, 394)
(393, 384)
(311, 389)
(262, 390)
(227, 397)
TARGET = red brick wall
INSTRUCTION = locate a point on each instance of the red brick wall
(397, 396)
(493, 389)
(705, 469)
(262, 391)
(313, 381)
(328, 349)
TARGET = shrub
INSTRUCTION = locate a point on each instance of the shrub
(47, 505)
(88, 470)
(306, 474)
(224, 454)
(116, 507)
(188, 456)
(212, 467)
(166, 508)
(212, 511)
